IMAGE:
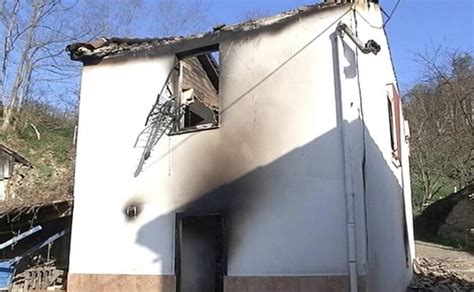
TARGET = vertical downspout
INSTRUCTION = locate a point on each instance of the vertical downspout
(349, 190)
(350, 208)
(369, 47)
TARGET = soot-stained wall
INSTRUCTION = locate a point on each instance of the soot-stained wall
(274, 168)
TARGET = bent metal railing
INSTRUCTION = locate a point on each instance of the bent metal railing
(159, 121)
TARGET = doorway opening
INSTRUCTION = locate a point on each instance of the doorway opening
(200, 256)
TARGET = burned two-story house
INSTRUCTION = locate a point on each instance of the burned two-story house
(269, 155)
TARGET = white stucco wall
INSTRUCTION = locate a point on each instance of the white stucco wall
(387, 184)
(274, 168)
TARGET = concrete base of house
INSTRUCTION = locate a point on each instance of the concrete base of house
(167, 283)
(289, 283)
(118, 283)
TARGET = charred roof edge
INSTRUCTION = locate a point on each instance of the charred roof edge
(93, 52)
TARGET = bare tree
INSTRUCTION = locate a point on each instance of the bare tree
(439, 109)
(33, 36)
(32, 32)
(109, 17)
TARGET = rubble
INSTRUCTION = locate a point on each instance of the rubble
(433, 275)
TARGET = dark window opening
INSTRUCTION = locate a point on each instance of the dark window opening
(198, 89)
(190, 118)
(390, 117)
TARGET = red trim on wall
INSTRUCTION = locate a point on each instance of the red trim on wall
(397, 116)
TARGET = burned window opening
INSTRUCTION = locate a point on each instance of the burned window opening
(198, 90)
(188, 100)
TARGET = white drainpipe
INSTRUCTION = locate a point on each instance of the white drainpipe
(369, 47)
(350, 208)
(348, 186)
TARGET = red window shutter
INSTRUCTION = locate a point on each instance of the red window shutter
(397, 116)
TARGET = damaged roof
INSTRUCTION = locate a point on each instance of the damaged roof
(109, 47)
(17, 157)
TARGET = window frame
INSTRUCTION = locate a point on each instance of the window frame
(394, 113)
(178, 127)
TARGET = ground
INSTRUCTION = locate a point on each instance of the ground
(442, 268)
(457, 261)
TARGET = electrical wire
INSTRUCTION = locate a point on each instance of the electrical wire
(391, 13)
(388, 15)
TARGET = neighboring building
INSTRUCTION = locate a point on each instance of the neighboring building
(8, 159)
(39, 262)
(34, 245)
(282, 163)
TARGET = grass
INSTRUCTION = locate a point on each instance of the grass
(51, 153)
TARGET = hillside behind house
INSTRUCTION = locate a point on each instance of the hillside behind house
(44, 135)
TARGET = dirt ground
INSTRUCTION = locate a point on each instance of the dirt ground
(457, 261)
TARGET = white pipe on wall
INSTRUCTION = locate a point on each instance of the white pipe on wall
(348, 186)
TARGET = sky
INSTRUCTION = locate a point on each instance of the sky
(417, 26)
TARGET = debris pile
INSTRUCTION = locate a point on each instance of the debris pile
(433, 275)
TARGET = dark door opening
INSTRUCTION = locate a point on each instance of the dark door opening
(200, 258)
